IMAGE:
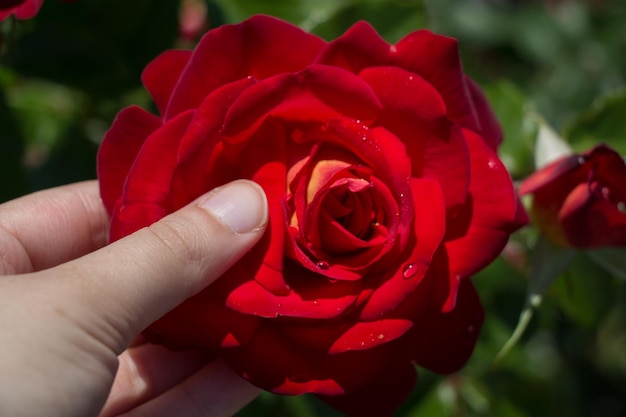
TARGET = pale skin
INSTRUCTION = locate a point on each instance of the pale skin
(71, 308)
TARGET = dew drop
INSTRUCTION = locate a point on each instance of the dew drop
(315, 302)
(581, 160)
(491, 164)
(381, 336)
(323, 265)
(409, 271)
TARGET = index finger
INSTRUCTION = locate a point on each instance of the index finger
(50, 227)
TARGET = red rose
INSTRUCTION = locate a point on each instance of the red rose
(579, 200)
(385, 195)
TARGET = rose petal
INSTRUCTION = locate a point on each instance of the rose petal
(386, 156)
(310, 295)
(381, 396)
(147, 181)
(589, 221)
(201, 164)
(490, 129)
(259, 47)
(433, 57)
(436, 58)
(180, 328)
(318, 93)
(447, 351)
(127, 219)
(488, 217)
(119, 149)
(162, 74)
(546, 176)
(429, 229)
(274, 363)
(359, 47)
(343, 336)
(414, 111)
(367, 335)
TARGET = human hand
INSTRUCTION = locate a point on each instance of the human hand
(70, 306)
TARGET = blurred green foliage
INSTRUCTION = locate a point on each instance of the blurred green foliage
(66, 73)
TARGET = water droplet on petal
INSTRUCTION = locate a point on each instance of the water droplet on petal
(415, 269)
(491, 164)
(323, 265)
(410, 271)
(315, 302)
(581, 160)
(381, 336)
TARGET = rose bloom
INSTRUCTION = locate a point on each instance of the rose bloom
(579, 200)
(385, 194)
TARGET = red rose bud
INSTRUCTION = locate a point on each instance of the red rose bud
(385, 194)
(579, 200)
(192, 19)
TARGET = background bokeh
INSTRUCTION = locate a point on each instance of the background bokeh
(66, 73)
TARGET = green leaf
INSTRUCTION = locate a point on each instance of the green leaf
(305, 13)
(612, 259)
(439, 402)
(512, 109)
(549, 261)
(584, 291)
(602, 123)
(331, 18)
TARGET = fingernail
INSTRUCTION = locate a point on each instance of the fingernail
(241, 205)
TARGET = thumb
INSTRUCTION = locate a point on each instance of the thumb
(120, 289)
